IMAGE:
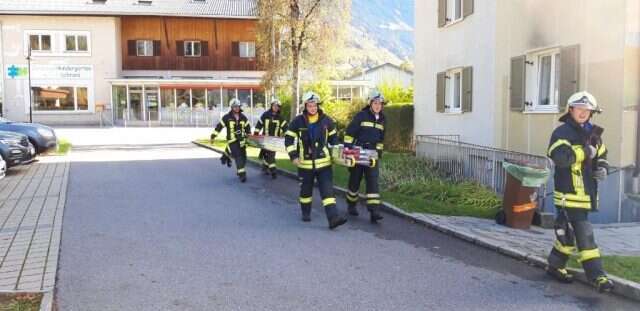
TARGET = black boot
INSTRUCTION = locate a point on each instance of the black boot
(306, 213)
(374, 215)
(561, 275)
(351, 208)
(224, 159)
(273, 174)
(243, 177)
(603, 284)
(334, 219)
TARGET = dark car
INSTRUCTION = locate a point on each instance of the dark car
(41, 136)
(16, 149)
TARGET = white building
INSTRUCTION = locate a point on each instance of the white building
(498, 73)
(386, 74)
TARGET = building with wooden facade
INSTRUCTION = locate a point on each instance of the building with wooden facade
(133, 63)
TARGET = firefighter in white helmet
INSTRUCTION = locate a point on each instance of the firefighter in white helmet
(238, 127)
(307, 141)
(271, 123)
(580, 158)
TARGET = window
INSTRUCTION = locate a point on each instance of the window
(247, 49)
(453, 11)
(192, 48)
(144, 48)
(453, 91)
(76, 43)
(543, 71)
(40, 42)
(61, 98)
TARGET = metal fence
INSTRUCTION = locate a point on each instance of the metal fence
(461, 161)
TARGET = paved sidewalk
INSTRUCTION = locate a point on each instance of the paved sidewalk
(619, 239)
(31, 204)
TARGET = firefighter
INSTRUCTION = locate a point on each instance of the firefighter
(307, 141)
(238, 128)
(580, 158)
(366, 131)
(271, 123)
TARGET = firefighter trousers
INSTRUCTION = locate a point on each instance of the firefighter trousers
(324, 176)
(239, 154)
(573, 228)
(268, 160)
(370, 175)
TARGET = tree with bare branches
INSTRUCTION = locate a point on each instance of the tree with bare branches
(293, 33)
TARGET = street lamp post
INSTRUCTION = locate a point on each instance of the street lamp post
(29, 79)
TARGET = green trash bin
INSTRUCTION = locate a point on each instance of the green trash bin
(520, 197)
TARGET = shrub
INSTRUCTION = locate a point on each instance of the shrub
(394, 92)
(399, 127)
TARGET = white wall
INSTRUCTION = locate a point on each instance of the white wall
(598, 27)
(387, 74)
(104, 58)
(470, 42)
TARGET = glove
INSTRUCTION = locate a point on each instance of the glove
(212, 138)
(600, 174)
(590, 151)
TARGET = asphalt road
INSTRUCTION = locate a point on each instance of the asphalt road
(169, 228)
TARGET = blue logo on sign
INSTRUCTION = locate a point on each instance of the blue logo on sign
(13, 71)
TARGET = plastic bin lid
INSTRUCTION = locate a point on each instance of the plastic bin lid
(528, 176)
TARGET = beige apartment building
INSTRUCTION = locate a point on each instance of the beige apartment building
(498, 73)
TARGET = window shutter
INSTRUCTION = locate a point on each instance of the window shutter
(467, 89)
(442, 13)
(204, 45)
(235, 48)
(517, 83)
(467, 8)
(131, 48)
(569, 74)
(180, 48)
(440, 91)
(156, 48)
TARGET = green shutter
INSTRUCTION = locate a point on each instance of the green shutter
(569, 74)
(517, 83)
(440, 91)
(467, 89)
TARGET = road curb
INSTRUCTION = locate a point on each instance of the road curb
(47, 301)
(624, 288)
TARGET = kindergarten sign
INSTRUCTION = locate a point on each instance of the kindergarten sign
(49, 72)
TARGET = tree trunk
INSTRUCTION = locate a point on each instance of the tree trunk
(295, 74)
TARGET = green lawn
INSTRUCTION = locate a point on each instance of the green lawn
(423, 196)
(20, 302)
(63, 147)
(626, 267)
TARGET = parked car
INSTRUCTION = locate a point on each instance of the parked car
(41, 136)
(16, 149)
(3, 167)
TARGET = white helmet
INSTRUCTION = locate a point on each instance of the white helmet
(275, 101)
(235, 103)
(375, 95)
(309, 97)
(584, 99)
